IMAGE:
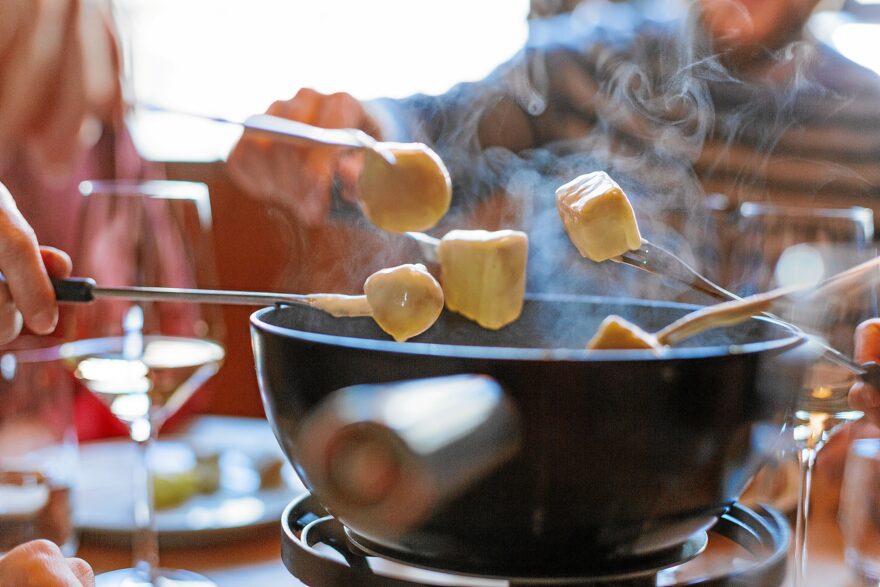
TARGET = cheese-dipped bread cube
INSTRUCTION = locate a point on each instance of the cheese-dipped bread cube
(406, 300)
(484, 274)
(411, 194)
(617, 333)
(598, 217)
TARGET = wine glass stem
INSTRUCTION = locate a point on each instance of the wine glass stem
(145, 543)
(806, 460)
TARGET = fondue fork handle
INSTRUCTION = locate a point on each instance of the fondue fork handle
(86, 290)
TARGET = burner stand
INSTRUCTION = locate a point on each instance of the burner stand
(306, 527)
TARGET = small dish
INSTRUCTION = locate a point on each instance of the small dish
(255, 484)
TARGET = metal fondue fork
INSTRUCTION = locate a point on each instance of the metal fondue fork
(82, 289)
(649, 257)
(655, 259)
(427, 245)
(350, 138)
(659, 261)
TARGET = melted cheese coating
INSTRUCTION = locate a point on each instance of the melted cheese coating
(598, 217)
(484, 274)
(413, 194)
(341, 306)
(406, 300)
(617, 333)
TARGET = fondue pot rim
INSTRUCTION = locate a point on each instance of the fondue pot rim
(541, 354)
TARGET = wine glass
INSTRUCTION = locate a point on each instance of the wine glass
(143, 360)
(786, 245)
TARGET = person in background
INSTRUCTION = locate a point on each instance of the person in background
(734, 92)
(60, 107)
(733, 98)
(59, 87)
(58, 83)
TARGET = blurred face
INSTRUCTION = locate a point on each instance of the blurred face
(745, 25)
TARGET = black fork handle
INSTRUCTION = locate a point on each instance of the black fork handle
(74, 289)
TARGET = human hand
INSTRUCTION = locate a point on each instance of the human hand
(39, 563)
(862, 396)
(300, 176)
(27, 295)
(58, 77)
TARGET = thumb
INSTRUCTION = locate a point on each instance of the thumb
(867, 348)
(867, 341)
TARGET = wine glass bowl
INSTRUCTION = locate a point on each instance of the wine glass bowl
(147, 233)
(766, 231)
(786, 245)
(144, 360)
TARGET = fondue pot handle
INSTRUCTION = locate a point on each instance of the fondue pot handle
(383, 457)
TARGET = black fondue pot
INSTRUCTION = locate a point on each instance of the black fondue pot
(564, 463)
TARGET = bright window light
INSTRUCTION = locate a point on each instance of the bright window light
(233, 58)
(859, 42)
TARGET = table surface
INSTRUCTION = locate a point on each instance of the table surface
(257, 561)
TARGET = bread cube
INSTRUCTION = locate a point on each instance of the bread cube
(598, 217)
(484, 274)
(412, 194)
(406, 300)
(616, 333)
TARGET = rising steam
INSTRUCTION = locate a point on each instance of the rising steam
(655, 107)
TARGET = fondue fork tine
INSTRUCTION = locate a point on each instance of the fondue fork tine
(659, 261)
(737, 310)
(656, 260)
(427, 245)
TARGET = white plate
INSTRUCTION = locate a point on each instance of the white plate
(103, 497)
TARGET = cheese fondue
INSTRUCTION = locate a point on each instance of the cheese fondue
(484, 274)
(617, 333)
(412, 194)
(598, 217)
(405, 300)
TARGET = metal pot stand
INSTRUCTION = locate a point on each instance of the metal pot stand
(318, 550)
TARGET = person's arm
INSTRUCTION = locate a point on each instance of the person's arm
(40, 563)
(58, 79)
(545, 93)
(26, 294)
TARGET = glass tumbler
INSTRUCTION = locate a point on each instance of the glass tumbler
(38, 450)
(860, 510)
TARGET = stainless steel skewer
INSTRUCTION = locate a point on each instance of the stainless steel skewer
(657, 260)
(86, 290)
(350, 138)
